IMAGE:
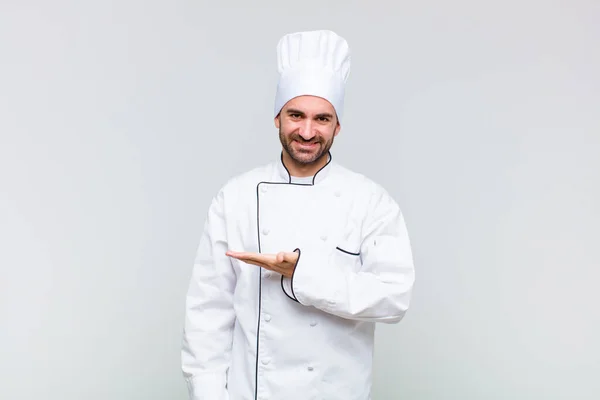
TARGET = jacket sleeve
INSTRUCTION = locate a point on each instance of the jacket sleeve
(209, 314)
(373, 285)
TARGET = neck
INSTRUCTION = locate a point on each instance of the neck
(303, 170)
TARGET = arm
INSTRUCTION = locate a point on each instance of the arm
(380, 290)
(209, 312)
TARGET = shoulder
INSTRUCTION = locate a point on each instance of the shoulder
(358, 181)
(369, 192)
(246, 180)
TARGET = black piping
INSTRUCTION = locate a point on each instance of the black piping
(259, 297)
(302, 184)
(286, 293)
(289, 182)
(347, 252)
(293, 274)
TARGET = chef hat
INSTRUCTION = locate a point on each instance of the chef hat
(313, 63)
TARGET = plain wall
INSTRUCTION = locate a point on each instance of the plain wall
(119, 120)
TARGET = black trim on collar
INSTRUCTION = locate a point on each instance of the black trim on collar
(314, 176)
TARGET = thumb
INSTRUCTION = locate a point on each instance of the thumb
(281, 257)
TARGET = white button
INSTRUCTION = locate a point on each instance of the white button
(263, 188)
(267, 317)
(265, 231)
(310, 368)
(324, 238)
(265, 361)
(313, 323)
(267, 274)
(337, 193)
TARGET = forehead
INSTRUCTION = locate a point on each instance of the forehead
(310, 105)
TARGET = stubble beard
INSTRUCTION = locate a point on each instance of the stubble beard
(301, 157)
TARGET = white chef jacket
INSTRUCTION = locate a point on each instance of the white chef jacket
(252, 334)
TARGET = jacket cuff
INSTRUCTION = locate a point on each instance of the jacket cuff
(286, 283)
(316, 281)
(209, 387)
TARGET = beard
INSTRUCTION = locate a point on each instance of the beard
(305, 157)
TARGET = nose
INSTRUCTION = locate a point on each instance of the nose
(307, 132)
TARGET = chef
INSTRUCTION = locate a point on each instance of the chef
(299, 258)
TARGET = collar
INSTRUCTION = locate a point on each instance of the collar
(283, 175)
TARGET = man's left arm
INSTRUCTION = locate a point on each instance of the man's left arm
(381, 288)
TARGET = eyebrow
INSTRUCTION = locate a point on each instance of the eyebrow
(293, 111)
(322, 115)
(325, 115)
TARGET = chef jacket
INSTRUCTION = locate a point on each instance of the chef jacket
(252, 334)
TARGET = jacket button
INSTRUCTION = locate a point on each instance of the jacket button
(313, 323)
(263, 188)
(265, 231)
(265, 361)
(337, 193)
(267, 317)
(324, 238)
(310, 368)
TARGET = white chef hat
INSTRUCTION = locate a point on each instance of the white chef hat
(313, 63)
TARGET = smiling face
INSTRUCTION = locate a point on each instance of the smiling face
(307, 126)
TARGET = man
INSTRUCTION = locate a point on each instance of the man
(300, 258)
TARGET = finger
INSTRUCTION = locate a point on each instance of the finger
(236, 253)
(267, 261)
(241, 255)
(258, 264)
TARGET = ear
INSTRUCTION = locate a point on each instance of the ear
(277, 121)
(337, 128)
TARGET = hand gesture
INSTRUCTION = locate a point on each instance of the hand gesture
(283, 263)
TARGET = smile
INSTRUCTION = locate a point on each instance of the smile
(308, 146)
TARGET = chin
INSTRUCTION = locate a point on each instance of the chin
(306, 158)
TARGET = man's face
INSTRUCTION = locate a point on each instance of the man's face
(307, 126)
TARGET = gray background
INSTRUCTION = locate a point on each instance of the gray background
(119, 120)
